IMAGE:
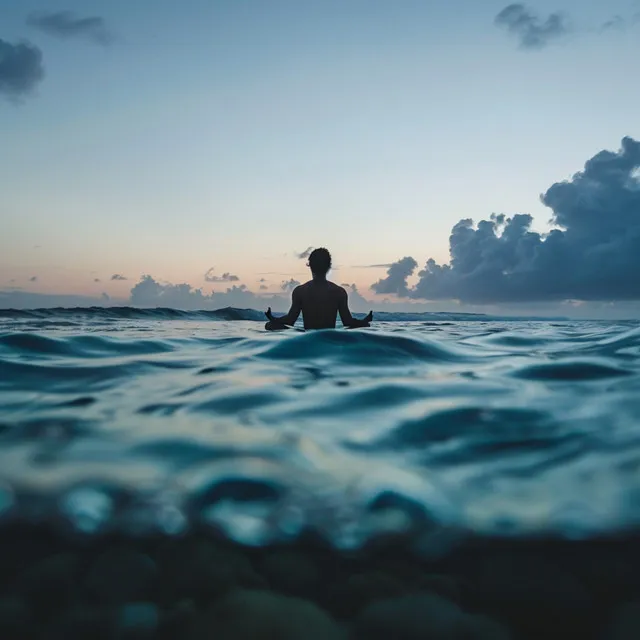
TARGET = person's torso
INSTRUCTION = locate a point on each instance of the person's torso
(319, 304)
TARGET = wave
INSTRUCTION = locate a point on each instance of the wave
(232, 314)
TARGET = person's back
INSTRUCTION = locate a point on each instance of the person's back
(319, 300)
(320, 303)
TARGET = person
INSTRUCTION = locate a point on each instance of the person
(319, 300)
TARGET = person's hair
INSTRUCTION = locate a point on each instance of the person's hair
(320, 261)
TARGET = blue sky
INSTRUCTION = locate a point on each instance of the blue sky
(234, 134)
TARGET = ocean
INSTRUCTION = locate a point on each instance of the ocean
(483, 469)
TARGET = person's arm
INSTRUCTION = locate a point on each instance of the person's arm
(345, 315)
(292, 315)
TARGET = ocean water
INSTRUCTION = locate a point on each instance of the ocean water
(434, 428)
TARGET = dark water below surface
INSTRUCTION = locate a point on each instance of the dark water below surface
(483, 460)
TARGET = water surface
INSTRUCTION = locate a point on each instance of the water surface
(435, 428)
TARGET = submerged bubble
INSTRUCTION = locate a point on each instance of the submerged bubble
(88, 509)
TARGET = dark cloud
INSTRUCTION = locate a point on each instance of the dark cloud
(33, 279)
(531, 31)
(396, 280)
(118, 277)
(21, 68)
(64, 24)
(305, 254)
(592, 254)
(289, 285)
(619, 23)
(262, 280)
(225, 277)
(96, 279)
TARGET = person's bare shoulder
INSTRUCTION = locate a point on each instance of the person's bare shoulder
(337, 290)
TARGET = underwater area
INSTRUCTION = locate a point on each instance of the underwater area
(168, 474)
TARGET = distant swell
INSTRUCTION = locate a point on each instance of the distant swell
(226, 314)
(132, 313)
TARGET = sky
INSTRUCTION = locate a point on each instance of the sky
(452, 155)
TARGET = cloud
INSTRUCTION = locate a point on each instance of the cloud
(33, 279)
(64, 24)
(305, 254)
(263, 287)
(372, 266)
(530, 30)
(21, 68)
(118, 277)
(591, 254)
(396, 280)
(289, 285)
(151, 293)
(105, 297)
(96, 279)
(262, 280)
(225, 277)
(619, 23)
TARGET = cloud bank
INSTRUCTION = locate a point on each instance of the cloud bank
(592, 255)
(21, 68)
(289, 285)
(64, 24)
(531, 31)
(225, 277)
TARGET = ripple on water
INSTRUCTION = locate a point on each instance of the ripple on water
(577, 370)
(359, 348)
(356, 433)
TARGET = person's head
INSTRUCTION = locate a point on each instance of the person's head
(320, 262)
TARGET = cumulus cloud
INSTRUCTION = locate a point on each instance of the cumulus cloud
(396, 280)
(305, 254)
(591, 255)
(289, 285)
(118, 277)
(151, 293)
(65, 24)
(21, 68)
(531, 31)
(225, 277)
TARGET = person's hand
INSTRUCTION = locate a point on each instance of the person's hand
(269, 314)
(369, 318)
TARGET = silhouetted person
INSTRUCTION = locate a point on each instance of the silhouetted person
(319, 300)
